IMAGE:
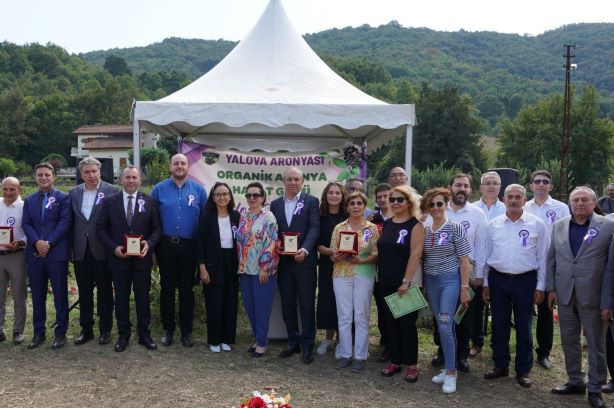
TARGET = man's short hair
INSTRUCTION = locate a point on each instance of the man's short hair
(350, 181)
(130, 167)
(515, 186)
(490, 174)
(382, 187)
(45, 165)
(590, 191)
(544, 173)
(460, 175)
(89, 161)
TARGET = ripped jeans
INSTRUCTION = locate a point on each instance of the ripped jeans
(443, 294)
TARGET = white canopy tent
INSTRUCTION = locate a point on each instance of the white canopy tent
(272, 92)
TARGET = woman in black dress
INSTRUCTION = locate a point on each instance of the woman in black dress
(332, 212)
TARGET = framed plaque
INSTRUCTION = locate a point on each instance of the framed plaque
(348, 242)
(6, 235)
(132, 245)
(290, 243)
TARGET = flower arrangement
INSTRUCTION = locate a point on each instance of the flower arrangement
(271, 400)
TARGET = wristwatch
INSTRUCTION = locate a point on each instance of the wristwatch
(405, 280)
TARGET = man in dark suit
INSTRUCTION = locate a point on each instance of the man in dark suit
(298, 212)
(47, 219)
(89, 256)
(134, 213)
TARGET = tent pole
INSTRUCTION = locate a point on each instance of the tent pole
(136, 144)
(409, 139)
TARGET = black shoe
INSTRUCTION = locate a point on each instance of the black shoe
(288, 351)
(595, 400)
(121, 344)
(385, 356)
(251, 349)
(307, 357)
(569, 389)
(544, 362)
(496, 373)
(255, 354)
(83, 338)
(608, 388)
(2, 336)
(58, 342)
(463, 365)
(167, 338)
(186, 340)
(104, 338)
(148, 343)
(37, 340)
(523, 380)
(437, 361)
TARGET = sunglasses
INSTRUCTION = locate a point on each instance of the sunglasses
(437, 204)
(396, 199)
(352, 203)
(249, 196)
(545, 182)
(219, 195)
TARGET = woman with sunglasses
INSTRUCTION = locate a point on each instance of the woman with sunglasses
(332, 212)
(353, 277)
(445, 263)
(399, 252)
(217, 264)
(257, 248)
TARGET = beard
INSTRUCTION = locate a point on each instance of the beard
(459, 198)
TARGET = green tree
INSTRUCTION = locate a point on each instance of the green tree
(7, 167)
(116, 65)
(56, 160)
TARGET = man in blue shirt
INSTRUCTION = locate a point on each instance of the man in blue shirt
(181, 202)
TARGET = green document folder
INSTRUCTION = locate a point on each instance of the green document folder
(462, 309)
(409, 302)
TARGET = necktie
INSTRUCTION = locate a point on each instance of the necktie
(44, 204)
(129, 211)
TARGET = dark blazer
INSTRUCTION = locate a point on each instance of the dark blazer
(112, 226)
(209, 250)
(84, 230)
(307, 223)
(54, 227)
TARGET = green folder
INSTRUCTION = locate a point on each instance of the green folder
(409, 302)
(462, 309)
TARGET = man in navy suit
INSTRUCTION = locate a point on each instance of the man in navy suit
(298, 212)
(134, 213)
(47, 219)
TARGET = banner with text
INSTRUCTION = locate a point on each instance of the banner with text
(237, 169)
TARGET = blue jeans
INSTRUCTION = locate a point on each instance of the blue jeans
(443, 291)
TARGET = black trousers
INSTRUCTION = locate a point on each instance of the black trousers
(221, 301)
(177, 271)
(402, 334)
(544, 330)
(476, 315)
(609, 352)
(92, 272)
(380, 303)
(298, 284)
(125, 280)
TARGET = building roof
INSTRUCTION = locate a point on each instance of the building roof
(108, 143)
(103, 129)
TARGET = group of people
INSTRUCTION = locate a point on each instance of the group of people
(511, 255)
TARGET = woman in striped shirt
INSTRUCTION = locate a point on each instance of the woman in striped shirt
(445, 263)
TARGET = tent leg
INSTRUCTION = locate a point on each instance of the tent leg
(409, 140)
(136, 144)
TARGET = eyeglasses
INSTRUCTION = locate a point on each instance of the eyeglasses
(490, 184)
(220, 195)
(249, 196)
(396, 199)
(352, 189)
(437, 204)
(398, 175)
(353, 203)
(545, 182)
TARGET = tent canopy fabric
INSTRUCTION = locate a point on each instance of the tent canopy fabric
(273, 92)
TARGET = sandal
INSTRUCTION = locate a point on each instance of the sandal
(390, 370)
(411, 374)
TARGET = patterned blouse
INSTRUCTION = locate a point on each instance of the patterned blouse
(443, 248)
(367, 245)
(256, 239)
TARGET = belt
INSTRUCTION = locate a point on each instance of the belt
(512, 275)
(10, 251)
(177, 240)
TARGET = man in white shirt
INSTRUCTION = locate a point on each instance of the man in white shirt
(548, 210)
(12, 258)
(514, 279)
(397, 177)
(490, 186)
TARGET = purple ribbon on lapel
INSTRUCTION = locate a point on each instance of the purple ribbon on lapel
(524, 234)
(99, 199)
(299, 208)
(234, 231)
(551, 214)
(141, 205)
(443, 238)
(590, 234)
(10, 221)
(465, 224)
(366, 234)
(50, 202)
(402, 235)
(191, 200)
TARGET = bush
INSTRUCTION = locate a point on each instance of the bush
(157, 171)
(57, 160)
(7, 167)
(23, 169)
(436, 176)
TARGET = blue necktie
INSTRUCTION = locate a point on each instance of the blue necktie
(44, 205)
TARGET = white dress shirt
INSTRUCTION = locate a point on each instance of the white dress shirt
(474, 222)
(508, 252)
(290, 207)
(549, 212)
(134, 205)
(14, 214)
(89, 199)
(495, 210)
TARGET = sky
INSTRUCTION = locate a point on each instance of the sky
(88, 25)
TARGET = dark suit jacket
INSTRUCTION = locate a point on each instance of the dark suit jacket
(307, 223)
(84, 230)
(54, 227)
(209, 251)
(112, 226)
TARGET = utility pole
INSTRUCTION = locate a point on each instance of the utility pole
(566, 136)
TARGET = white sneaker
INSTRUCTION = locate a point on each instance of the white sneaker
(449, 384)
(215, 349)
(324, 347)
(225, 347)
(439, 378)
